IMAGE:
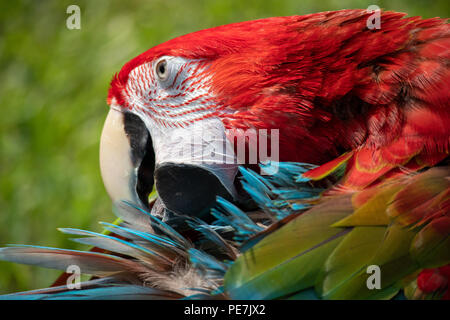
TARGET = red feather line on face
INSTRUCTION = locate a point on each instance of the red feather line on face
(177, 102)
(330, 85)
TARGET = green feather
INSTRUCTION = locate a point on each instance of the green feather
(289, 259)
(350, 258)
(431, 246)
(394, 261)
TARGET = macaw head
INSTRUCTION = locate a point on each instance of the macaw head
(163, 114)
(174, 111)
(178, 110)
(163, 129)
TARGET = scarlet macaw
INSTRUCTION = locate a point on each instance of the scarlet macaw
(363, 179)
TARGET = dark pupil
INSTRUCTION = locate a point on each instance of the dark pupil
(162, 68)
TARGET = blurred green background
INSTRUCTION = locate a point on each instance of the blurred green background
(53, 85)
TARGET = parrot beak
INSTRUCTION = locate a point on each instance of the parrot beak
(126, 158)
(129, 170)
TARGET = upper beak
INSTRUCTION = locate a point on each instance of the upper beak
(126, 158)
(129, 171)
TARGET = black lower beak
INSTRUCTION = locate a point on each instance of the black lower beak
(189, 189)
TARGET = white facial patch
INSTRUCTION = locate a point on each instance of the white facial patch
(180, 114)
(180, 99)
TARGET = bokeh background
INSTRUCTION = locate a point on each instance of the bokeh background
(53, 85)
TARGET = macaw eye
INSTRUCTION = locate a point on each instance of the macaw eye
(161, 70)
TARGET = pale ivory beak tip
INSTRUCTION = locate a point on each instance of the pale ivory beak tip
(115, 164)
